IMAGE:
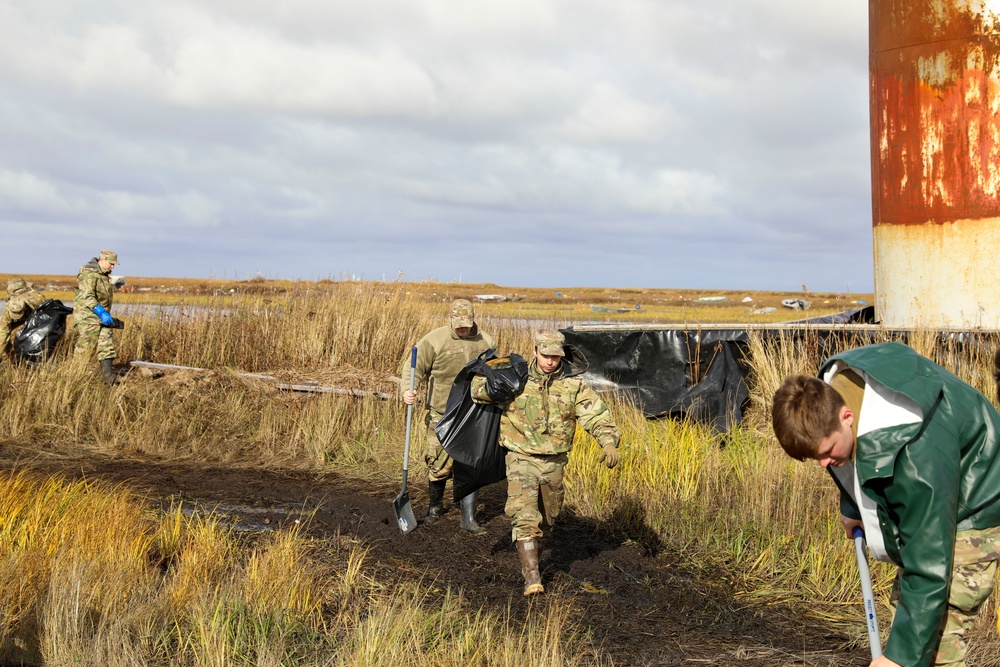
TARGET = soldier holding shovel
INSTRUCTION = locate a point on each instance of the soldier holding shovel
(441, 354)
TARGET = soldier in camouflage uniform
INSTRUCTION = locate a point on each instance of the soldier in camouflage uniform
(441, 354)
(537, 430)
(21, 300)
(91, 313)
(915, 453)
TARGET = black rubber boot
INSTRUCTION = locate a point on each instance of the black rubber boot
(108, 371)
(469, 515)
(435, 500)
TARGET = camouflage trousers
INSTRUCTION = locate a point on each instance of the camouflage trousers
(534, 493)
(439, 462)
(972, 578)
(91, 336)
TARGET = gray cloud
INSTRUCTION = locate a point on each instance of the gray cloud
(523, 142)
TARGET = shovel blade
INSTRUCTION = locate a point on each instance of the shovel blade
(404, 513)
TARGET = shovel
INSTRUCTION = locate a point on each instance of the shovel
(401, 505)
(874, 638)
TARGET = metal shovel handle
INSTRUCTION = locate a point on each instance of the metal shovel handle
(409, 416)
(874, 638)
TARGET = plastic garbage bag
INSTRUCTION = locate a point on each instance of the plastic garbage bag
(41, 331)
(469, 431)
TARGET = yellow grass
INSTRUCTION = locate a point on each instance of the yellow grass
(88, 577)
(732, 504)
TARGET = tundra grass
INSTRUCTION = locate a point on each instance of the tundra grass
(90, 577)
(732, 504)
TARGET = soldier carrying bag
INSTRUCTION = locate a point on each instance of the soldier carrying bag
(41, 331)
(470, 431)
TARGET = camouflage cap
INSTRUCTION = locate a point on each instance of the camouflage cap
(109, 256)
(550, 342)
(462, 313)
(16, 285)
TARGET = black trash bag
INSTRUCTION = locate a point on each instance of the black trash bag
(469, 431)
(41, 331)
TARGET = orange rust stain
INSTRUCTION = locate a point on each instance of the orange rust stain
(939, 149)
(935, 110)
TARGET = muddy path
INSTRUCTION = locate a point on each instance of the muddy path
(640, 603)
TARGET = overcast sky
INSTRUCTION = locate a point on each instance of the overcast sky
(620, 143)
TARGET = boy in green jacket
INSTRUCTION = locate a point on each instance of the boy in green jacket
(914, 452)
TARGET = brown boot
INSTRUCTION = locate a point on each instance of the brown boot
(527, 551)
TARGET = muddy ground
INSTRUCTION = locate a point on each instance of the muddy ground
(641, 605)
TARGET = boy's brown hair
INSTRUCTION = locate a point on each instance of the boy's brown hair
(804, 410)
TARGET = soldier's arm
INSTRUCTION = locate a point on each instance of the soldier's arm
(4, 334)
(35, 299)
(87, 291)
(425, 360)
(595, 417)
(477, 389)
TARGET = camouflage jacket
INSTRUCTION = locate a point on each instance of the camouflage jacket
(441, 354)
(18, 307)
(543, 418)
(93, 287)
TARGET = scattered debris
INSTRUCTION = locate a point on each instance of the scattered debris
(796, 304)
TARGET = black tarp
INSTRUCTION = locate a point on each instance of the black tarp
(41, 331)
(469, 431)
(682, 372)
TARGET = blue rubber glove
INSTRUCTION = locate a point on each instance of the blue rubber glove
(106, 319)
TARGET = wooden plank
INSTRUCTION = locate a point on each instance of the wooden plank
(307, 388)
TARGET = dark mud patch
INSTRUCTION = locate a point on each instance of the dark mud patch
(639, 601)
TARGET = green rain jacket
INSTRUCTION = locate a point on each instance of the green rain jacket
(542, 419)
(928, 479)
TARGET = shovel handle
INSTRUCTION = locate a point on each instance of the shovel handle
(874, 638)
(409, 415)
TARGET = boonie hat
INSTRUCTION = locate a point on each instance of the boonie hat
(462, 313)
(109, 256)
(16, 285)
(550, 342)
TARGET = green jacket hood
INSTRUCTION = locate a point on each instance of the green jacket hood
(901, 369)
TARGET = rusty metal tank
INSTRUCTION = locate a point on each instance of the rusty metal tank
(935, 130)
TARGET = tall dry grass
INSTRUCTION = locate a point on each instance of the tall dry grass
(736, 503)
(732, 504)
(89, 577)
